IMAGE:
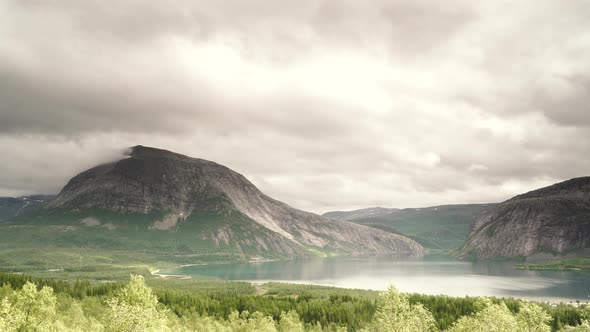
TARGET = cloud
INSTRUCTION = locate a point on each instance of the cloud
(324, 105)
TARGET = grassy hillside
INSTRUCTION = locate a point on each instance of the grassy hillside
(441, 227)
(110, 246)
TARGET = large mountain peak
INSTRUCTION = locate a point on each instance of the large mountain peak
(151, 180)
(551, 220)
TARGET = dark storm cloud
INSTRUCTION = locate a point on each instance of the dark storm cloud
(324, 104)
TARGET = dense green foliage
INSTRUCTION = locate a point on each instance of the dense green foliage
(572, 264)
(496, 317)
(395, 313)
(78, 289)
(189, 305)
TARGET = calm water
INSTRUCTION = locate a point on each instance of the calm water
(455, 278)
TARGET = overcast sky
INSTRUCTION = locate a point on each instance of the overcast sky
(326, 105)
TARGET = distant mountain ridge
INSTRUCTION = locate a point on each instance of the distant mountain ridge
(11, 207)
(179, 190)
(443, 227)
(553, 220)
(360, 213)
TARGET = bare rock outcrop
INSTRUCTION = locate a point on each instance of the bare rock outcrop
(554, 219)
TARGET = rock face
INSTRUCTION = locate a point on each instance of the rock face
(152, 180)
(554, 219)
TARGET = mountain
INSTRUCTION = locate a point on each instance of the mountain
(11, 207)
(443, 227)
(360, 214)
(179, 203)
(554, 220)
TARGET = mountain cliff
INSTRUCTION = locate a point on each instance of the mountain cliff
(183, 195)
(552, 220)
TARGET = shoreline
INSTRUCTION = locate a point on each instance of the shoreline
(185, 276)
(176, 276)
(257, 283)
(170, 276)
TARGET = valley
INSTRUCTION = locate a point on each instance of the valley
(208, 242)
(441, 229)
(156, 209)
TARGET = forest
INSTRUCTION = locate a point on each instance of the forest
(149, 304)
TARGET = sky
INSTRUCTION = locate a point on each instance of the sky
(325, 105)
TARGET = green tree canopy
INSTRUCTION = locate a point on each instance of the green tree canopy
(396, 314)
(135, 309)
(29, 309)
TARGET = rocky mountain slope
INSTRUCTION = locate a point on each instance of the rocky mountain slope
(180, 192)
(11, 207)
(443, 227)
(552, 220)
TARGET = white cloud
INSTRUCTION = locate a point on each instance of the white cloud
(324, 105)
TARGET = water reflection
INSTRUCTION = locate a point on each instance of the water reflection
(449, 277)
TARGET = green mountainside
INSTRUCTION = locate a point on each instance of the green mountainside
(443, 227)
